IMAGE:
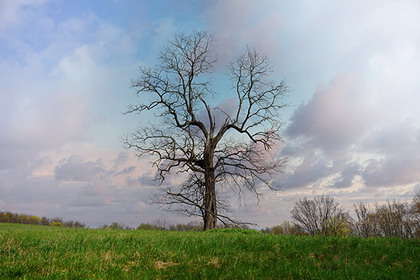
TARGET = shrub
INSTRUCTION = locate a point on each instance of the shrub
(56, 224)
(285, 228)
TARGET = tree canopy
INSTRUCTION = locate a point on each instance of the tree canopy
(204, 143)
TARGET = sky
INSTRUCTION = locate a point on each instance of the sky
(351, 129)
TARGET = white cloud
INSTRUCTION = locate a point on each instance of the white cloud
(11, 10)
(53, 98)
(354, 66)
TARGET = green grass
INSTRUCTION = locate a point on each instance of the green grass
(40, 252)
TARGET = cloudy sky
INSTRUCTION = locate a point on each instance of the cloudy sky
(352, 128)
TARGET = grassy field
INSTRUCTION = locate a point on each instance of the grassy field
(40, 252)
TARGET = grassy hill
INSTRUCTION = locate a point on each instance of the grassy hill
(42, 252)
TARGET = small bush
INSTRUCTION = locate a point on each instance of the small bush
(56, 224)
(285, 228)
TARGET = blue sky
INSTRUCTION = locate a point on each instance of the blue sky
(351, 130)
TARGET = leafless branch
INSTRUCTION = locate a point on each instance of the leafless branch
(189, 141)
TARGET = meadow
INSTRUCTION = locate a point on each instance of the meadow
(46, 252)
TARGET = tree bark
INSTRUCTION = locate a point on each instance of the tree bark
(210, 210)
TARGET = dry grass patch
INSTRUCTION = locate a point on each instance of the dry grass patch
(163, 265)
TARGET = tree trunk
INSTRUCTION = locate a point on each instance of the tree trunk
(210, 210)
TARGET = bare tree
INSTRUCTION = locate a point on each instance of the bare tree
(321, 215)
(365, 222)
(415, 214)
(206, 144)
(392, 219)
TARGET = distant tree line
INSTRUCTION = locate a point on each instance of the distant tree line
(162, 225)
(320, 215)
(9, 217)
(323, 215)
